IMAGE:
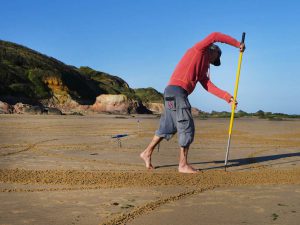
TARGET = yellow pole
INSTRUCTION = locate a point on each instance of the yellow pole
(234, 98)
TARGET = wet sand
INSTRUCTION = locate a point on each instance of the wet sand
(68, 170)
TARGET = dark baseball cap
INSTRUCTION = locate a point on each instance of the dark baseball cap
(214, 47)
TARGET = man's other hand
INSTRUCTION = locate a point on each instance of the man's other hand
(233, 103)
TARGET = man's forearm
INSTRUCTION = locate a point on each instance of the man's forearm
(213, 89)
(217, 37)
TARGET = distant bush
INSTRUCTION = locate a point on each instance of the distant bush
(259, 114)
(222, 114)
(242, 113)
(275, 119)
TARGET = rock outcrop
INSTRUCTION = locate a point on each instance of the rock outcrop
(195, 111)
(156, 108)
(52, 111)
(112, 103)
(64, 103)
(5, 108)
(106, 103)
(21, 108)
(120, 104)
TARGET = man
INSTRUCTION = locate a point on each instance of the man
(192, 68)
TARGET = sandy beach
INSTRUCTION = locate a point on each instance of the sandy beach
(69, 170)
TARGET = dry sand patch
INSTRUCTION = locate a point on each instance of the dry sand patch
(68, 170)
(236, 205)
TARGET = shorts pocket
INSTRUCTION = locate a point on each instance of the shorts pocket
(170, 103)
(185, 123)
(184, 110)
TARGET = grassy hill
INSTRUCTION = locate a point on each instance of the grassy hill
(149, 95)
(109, 84)
(29, 74)
(24, 72)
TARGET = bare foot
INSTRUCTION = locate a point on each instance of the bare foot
(187, 169)
(147, 159)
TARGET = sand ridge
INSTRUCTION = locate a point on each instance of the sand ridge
(110, 179)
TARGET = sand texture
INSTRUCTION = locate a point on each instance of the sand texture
(69, 170)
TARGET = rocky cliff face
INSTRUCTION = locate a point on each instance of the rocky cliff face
(31, 78)
(106, 103)
(61, 97)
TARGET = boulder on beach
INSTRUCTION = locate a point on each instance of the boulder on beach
(156, 108)
(5, 108)
(112, 104)
(21, 108)
(52, 111)
(118, 104)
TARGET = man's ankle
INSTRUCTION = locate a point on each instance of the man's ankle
(182, 165)
(147, 153)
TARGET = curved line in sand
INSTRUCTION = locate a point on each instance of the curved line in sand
(28, 148)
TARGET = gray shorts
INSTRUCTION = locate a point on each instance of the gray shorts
(177, 116)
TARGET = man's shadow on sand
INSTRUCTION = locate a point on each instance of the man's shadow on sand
(244, 161)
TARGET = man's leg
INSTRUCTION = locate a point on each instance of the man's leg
(184, 167)
(146, 154)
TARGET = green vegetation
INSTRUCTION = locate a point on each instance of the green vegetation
(149, 95)
(109, 84)
(24, 73)
(39, 88)
(239, 114)
(274, 116)
(222, 114)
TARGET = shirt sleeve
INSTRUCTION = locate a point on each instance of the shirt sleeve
(217, 37)
(211, 88)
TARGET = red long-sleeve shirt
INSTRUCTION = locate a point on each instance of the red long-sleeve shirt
(194, 65)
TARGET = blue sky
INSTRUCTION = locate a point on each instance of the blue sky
(143, 40)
